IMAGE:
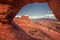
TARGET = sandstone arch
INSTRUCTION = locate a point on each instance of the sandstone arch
(9, 8)
(15, 5)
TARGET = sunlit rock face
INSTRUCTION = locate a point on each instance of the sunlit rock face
(25, 18)
(40, 29)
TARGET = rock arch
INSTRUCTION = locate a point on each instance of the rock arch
(12, 7)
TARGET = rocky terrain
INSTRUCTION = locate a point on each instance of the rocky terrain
(13, 32)
(26, 29)
(39, 29)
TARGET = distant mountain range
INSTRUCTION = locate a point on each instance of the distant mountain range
(46, 19)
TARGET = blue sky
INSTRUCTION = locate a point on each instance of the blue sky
(36, 10)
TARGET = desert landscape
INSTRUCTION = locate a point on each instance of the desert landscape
(24, 28)
(39, 29)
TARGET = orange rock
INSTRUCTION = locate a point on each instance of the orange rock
(25, 18)
(13, 32)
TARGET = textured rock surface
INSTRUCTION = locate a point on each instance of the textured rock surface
(25, 18)
(40, 29)
(13, 32)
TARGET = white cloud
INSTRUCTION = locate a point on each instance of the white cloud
(26, 15)
(20, 15)
(49, 15)
(37, 17)
(34, 17)
(17, 16)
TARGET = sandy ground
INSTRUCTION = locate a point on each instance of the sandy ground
(40, 29)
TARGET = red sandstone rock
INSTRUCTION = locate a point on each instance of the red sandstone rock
(25, 18)
(40, 29)
(13, 32)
